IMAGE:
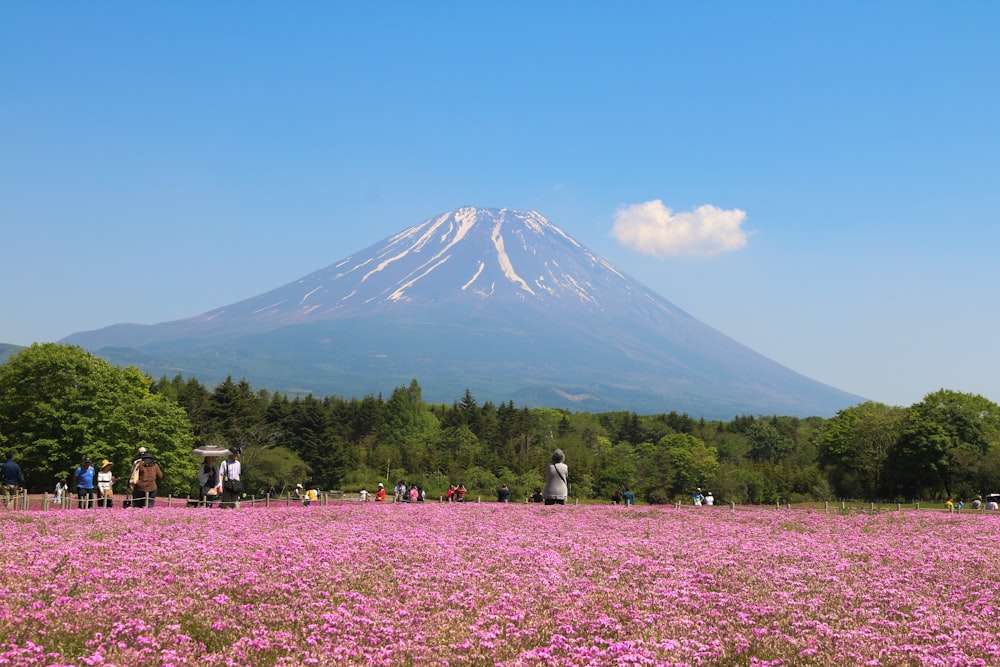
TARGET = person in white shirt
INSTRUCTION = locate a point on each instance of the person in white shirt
(105, 484)
(230, 472)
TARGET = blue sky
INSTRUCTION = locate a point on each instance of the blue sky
(820, 181)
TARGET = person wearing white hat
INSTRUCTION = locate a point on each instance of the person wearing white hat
(105, 484)
(380, 494)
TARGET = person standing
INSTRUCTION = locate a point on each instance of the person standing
(60, 489)
(503, 494)
(231, 473)
(149, 473)
(698, 497)
(208, 481)
(12, 481)
(556, 480)
(83, 479)
(105, 484)
(628, 497)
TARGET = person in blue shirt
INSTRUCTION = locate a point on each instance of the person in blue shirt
(628, 497)
(10, 478)
(83, 477)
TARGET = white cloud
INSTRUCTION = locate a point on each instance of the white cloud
(653, 229)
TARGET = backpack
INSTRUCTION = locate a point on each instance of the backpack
(133, 479)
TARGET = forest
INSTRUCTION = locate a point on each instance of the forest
(58, 403)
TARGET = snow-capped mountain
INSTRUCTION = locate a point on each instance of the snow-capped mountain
(499, 301)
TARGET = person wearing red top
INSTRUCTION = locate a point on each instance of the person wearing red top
(380, 494)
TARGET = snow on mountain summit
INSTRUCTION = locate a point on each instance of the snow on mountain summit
(468, 253)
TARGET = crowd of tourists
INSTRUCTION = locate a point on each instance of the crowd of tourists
(94, 485)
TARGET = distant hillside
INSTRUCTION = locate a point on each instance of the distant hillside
(7, 351)
(499, 301)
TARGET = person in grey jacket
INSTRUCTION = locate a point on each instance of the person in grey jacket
(556, 480)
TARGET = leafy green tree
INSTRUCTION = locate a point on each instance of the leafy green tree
(947, 434)
(694, 464)
(855, 445)
(411, 428)
(766, 442)
(461, 444)
(59, 403)
(276, 470)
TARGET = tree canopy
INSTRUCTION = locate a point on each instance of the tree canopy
(59, 404)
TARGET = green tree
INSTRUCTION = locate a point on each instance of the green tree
(59, 403)
(947, 435)
(694, 463)
(855, 445)
(766, 442)
(276, 470)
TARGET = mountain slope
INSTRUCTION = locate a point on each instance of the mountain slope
(499, 301)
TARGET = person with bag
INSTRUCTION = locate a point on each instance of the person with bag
(232, 487)
(146, 473)
(556, 480)
(209, 481)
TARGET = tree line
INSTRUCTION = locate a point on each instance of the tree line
(59, 403)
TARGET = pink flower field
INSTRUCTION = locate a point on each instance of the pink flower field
(485, 584)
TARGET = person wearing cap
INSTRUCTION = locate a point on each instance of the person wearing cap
(105, 484)
(698, 497)
(149, 473)
(83, 479)
(380, 494)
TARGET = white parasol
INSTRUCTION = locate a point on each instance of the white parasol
(211, 450)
